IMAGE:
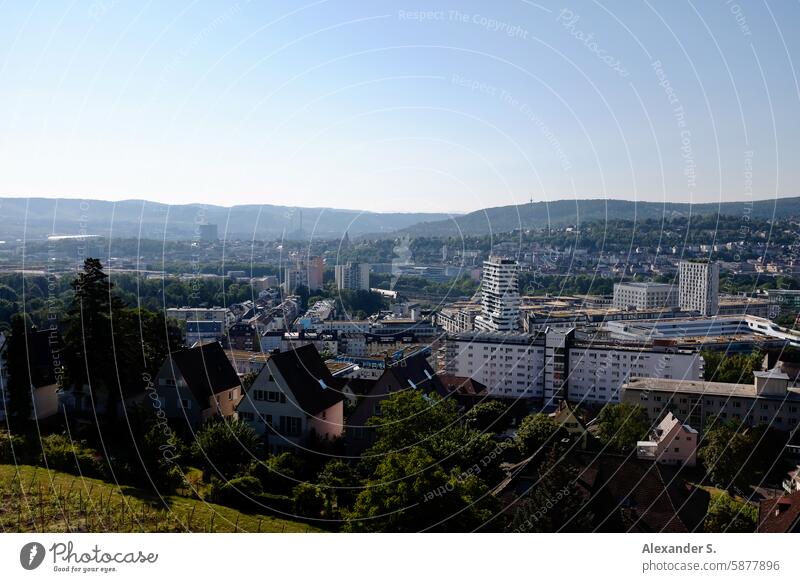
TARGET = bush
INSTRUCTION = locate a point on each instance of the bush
(308, 500)
(13, 448)
(63, 454)
(225, 447)
(279, 474)
(245, 493)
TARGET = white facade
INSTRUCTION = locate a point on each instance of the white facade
(597, 373)
(550, 366)
(509, 365)
(644, 296)
(699, 287)
(271, 409)
(672, 443)
(221, 314)
(353, 276)
(499, 296)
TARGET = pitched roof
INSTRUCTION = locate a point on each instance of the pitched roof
(646, 497)
(206, 370)
(309, 379)
(415, 372)
(461, 385)
(779, 515)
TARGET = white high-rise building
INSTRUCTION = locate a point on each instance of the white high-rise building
(698, 287)
(354, 276)
(499, 296)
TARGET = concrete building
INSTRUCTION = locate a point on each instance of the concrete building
(769, 400)
(458, 318)
(304, 272)
(671, 443)
(221, 314)
(645, 296)
(499, 296)
(554, 366)
(698, 287)
(352, 276)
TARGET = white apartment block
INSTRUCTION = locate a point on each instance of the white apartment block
(644, 296)
(353, 276)
(499, 296)
(510, 365)
(552, 366)
(598, 372)
(698, 287)
(221, 314)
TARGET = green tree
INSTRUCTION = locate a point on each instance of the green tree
(727, 515)
(555, 503)
(410, 492)
(91, 353)
(537, 431)
(735, 368)
(724, 452)
(339, 484)
(18, 386)
(225, 447)
(620, 426)
(488, 416)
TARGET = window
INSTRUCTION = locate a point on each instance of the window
(186, 404)
(272, 396)
(246, 416)
(290, 425)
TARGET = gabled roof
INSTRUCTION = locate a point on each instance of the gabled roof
(206, 370)
(779, 515)
(415, 372)
(309, 379)
(461, 385)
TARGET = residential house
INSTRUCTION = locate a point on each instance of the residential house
(197, 384)
(672, 442)
(295, 397)
(44, 369)
(413, 372)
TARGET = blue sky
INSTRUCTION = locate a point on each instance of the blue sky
(420, 106)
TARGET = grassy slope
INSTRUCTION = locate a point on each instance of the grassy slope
(35, 499)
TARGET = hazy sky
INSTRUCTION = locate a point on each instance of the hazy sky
(419, 106)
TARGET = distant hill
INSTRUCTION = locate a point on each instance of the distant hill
(38, 217)
(575, 212)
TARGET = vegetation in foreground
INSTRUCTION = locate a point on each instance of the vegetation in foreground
(34, 499)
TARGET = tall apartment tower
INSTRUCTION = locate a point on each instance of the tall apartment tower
(499, 296)
(698, 287)
(354, 276)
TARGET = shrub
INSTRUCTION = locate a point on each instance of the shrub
(225, 447)
(13, 448)
(63, 454)
(308, 500)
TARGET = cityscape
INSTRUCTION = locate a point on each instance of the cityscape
(286, 379)
(488, 291)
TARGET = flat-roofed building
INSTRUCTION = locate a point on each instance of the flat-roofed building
(644, 295)
(769, 400)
